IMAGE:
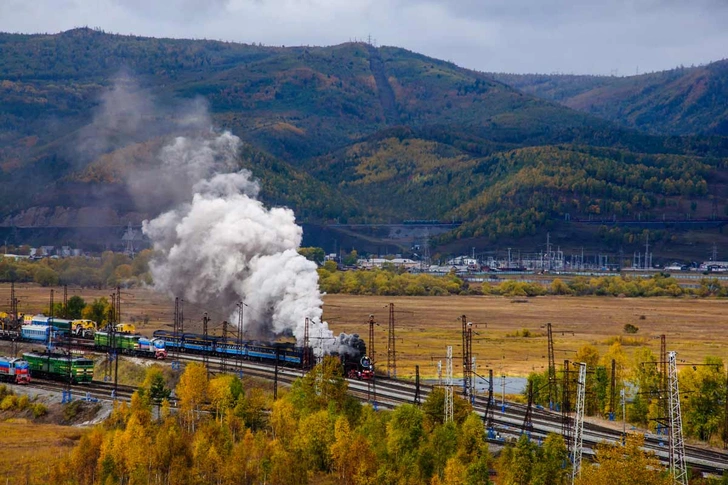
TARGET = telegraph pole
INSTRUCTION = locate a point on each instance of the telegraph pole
(417, 386)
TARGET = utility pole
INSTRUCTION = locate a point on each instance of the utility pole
(275, 377)
(552, 367)
(566, 406)
(116, 352)
(579, 423)
(449, 398)
(175, 336)
(306, 344)
(67, 391)
(372, 322)
(467, 329)
(664, 392)
(65, 303)
(205, 355)
(372, 386)
(239, 354)
(677, 445)
(223, 358)
(489, 406)
(391, 353)
(527, 426)
(417, 386)
(612, 389)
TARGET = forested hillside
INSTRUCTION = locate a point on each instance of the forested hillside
(348, 133)
(680, 101)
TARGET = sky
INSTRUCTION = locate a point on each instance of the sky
(611, 37)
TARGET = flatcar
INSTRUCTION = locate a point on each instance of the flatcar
(54, 365)
(14, 370)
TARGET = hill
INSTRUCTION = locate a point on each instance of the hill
(680, 101)
(347, 133)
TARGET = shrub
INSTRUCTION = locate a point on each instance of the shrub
(9, 402)
(22, 403)
(39, 409)
(629, 328)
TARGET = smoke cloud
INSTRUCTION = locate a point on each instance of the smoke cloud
(221, 245)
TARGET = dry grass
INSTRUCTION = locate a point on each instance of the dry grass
(30, 450)
(426, 325)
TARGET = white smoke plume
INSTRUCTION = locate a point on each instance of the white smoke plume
(222, 246)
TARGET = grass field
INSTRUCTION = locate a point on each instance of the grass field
(694, 327)
(30, 450)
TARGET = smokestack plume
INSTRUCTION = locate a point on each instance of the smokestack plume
(221, 245)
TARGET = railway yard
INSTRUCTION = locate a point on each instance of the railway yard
(509, 338)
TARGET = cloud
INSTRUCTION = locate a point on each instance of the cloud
(590, 36)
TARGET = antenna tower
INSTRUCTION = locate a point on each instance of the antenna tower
(677, 445)
(449, 398)
(552, 367)
(391, 353)
(579, 422)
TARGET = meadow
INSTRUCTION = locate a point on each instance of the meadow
(509, 334)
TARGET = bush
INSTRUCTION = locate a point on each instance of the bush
(22, 403)
(39, 409)
(71, 410)
(9, 402)
(629, 328)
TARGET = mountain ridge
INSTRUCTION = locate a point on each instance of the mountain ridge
(341, 133)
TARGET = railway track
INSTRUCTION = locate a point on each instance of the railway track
(94, 390)
(389, 393)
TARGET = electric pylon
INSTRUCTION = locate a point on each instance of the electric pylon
(391, 353)
(677, 445)
(552, 367)
(579, 423)
(467, 328)
(449, 398)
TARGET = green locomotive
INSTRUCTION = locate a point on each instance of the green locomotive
(54, 365)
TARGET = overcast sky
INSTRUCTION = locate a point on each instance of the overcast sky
(581, 36)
